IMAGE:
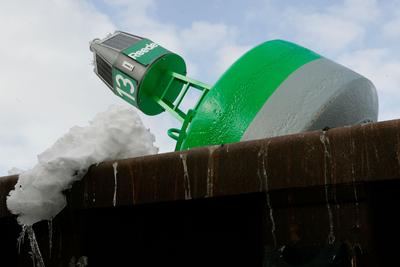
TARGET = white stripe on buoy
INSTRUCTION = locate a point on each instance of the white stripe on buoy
(319, 94)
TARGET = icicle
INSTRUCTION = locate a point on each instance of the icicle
(325, 142)
(32, 258)
(188, 194)
(131, 172)
(72, 262)
(36, 255)
(21, 238)
(354, 186)
(262, 158)
(82, 262)
(210, 171)
(115, 166)
(50, 227)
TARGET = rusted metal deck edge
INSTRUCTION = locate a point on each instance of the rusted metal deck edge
(340, 156)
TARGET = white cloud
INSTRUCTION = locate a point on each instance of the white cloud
(361, 11)
(206, 36)
(46, 81)
(326, 32)
(325, 27)
(214, 42)
(378, 64)
(383, 70)
(392, 29)
(199, 40)
(228, 54)
(135, 17)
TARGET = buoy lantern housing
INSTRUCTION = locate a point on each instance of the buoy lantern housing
(140, 71)
(276, 88)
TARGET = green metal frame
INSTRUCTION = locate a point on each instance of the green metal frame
(187, 83)
(173, 108)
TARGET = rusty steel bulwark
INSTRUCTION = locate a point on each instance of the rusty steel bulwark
(294, 200)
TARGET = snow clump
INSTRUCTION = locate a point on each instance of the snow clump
(115, 134)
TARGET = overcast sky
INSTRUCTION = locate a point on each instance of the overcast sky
(47, 83)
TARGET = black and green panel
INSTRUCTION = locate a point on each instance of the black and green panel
(160, 64)
(145, 92)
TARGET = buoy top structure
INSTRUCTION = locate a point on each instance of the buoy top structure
(276, 88)
(142, 72)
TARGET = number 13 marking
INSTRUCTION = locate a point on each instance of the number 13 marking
(125, 82)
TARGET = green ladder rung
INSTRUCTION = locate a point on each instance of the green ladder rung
(200, 99)
(166, 88)
(195, 84)
(182, 95)
(187, 83)
(178, 114)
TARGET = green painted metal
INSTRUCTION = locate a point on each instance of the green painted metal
(174, 133)
(260, 95)
(221, 114)
(163, 86)
(226, 111)
(158, 90)
(171, 90)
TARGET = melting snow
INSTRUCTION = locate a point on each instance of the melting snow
(14, 171)
(115, 134)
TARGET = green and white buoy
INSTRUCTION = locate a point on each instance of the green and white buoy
(274, 89)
